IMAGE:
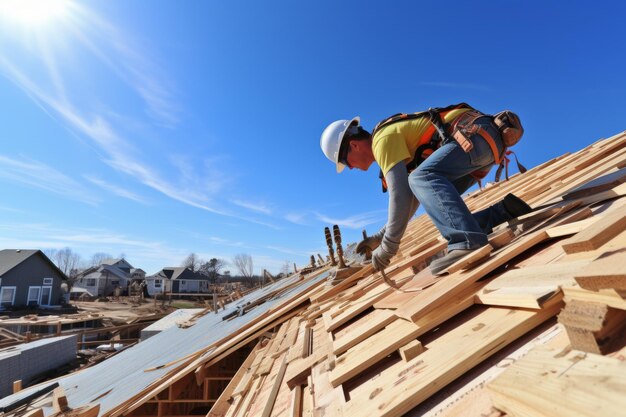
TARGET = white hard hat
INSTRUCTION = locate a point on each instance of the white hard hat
(332, 137)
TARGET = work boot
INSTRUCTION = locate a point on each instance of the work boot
(515, 206)
(439, 265)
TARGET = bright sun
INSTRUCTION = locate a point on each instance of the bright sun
(33, 13)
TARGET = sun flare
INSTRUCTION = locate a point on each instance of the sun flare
(33, 13)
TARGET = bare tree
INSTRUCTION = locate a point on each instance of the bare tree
(243, 263)
(285, 269)
(67, 261)
(212, 268)
(192, 261)
(99, 257)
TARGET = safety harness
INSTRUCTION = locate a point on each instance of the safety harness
(460, 129)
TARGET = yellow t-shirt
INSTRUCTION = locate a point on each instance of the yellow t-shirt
(399, 141)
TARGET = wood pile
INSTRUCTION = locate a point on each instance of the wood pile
(361, 347)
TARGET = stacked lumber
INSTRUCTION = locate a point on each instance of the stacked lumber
(363, 347)
(374, 346)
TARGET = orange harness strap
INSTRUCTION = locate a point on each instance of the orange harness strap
(492, 144)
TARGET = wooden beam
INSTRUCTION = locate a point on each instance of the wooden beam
(59, 400)
(402, 386)
(17, 386)
(606, 228)
(607, 271)
(298, 370)
(395, 335)
(594, 327)
(411, 350)
(440, 292)
(551, 382)
(362, 329)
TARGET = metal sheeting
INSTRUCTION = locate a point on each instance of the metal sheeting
(124, 375)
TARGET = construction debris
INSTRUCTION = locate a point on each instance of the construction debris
(362, 348)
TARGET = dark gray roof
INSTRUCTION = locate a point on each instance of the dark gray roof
(180, 272)
(10, 258)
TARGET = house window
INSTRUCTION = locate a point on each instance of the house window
(157, 283)
(7, 296)
(116, 282)
(46, 293)
(90, 282)
(182, 282)
(33, 295)
(47, 281)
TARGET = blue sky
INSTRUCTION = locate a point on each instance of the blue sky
(156, 128)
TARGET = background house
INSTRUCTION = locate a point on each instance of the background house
(101, 280)
(177, 280)
(29, 277)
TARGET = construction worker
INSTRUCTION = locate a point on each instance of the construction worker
(443, 166)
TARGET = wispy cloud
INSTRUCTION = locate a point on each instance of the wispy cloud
(120, 52)
(114, 189)
(258, 207)
(356, 221)
(87, 241)
(188, 179)
(296, 252)
(298, 218)
(39, 175)
(225, 242)
(195, 190)
(444, 84)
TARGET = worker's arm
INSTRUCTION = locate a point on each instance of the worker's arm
(402, 206)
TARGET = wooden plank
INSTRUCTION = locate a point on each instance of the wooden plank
(470, 259)
(607, 271)
(519, 297)
(300, 369)
(397, 334)
(554, 275)
(376, 347)
(300, 348)
(278, 380)
(609, 226)
(552, 382)
(605, 296)
(455, 283)
(594, 327)
(59, 400)
(571, 228)
(411, 350)
(376, 293)
(614, 192)
(327, 399)
(362, 329)
(601, 183)
(295, 409)
(402, 386)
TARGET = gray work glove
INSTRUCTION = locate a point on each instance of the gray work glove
(371, 243)
(381, 258)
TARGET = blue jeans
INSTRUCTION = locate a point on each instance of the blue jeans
(439, 181)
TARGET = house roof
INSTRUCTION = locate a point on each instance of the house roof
(114, 270)
(10, 258)
(180, 273)
(111, 261)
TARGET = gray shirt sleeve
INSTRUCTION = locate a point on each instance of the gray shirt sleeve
(402, 206)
